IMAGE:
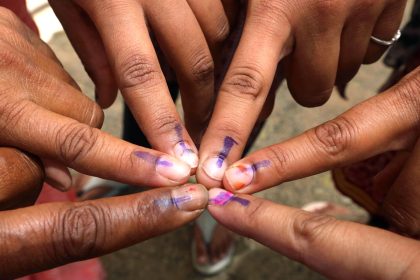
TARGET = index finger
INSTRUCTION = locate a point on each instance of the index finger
(389, 121)
(337, 249)
(125, 33)
(265, 39)
(48, 235)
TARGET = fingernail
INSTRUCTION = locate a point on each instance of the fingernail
(215, 167)
(184, 152)
(240, 176)
(190, 197)
(58, 178)
(221, 197)
(172, 168)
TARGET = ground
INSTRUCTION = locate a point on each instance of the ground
(169, 256)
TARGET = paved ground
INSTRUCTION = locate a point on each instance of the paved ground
(168, 256)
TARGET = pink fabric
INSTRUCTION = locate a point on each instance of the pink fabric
(90, 269)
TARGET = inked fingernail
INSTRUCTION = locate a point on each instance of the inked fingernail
(190, 197)
(166, 166)
(220, 197)
(184, 152)
(215, 167)
(172, 168)
(240, 176)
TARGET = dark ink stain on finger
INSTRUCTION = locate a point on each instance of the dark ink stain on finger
(229, 142)
(180, 138)
(224, 198)
(152, 159)
(242, 201)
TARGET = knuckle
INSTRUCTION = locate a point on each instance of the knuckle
(139, 70)
(7, 15)
(280, 158)
(75, 141)
(13, 112)
(202, 67)
(328, 7)
(163, 122)
(407, 95)
(245, 82)
(222, 30)
(8, 57)
(308, 229)
(334, 137)
(80, 231)
(272, 13)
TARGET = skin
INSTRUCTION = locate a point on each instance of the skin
(130, 39)
(336, 249)
(389, 121)
(43, 112)
(48, 235)
(310, 41)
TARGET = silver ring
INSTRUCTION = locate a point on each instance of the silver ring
(385, 43)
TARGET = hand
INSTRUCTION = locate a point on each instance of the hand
(113, 40)
(43, 112)
(389, 121)
(48, 235)
(317, 43)
(336, 249)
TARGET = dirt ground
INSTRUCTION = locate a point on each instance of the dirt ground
(169, 256)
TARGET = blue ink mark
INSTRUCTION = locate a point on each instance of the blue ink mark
(229, 142)
(152, 159)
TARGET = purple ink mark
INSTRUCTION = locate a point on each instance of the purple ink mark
(242, 201)
(181, 141)
(163, 162)
(261, 164)
(224, 198)
(229, 142)
(147, 157)
(172, 201)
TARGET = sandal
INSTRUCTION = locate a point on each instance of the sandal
(207, 226)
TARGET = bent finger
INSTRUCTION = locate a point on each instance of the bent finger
(88, 150)
(136, 67)
(88, 45)
(243, 92)
(66, 232)
(385, 29)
